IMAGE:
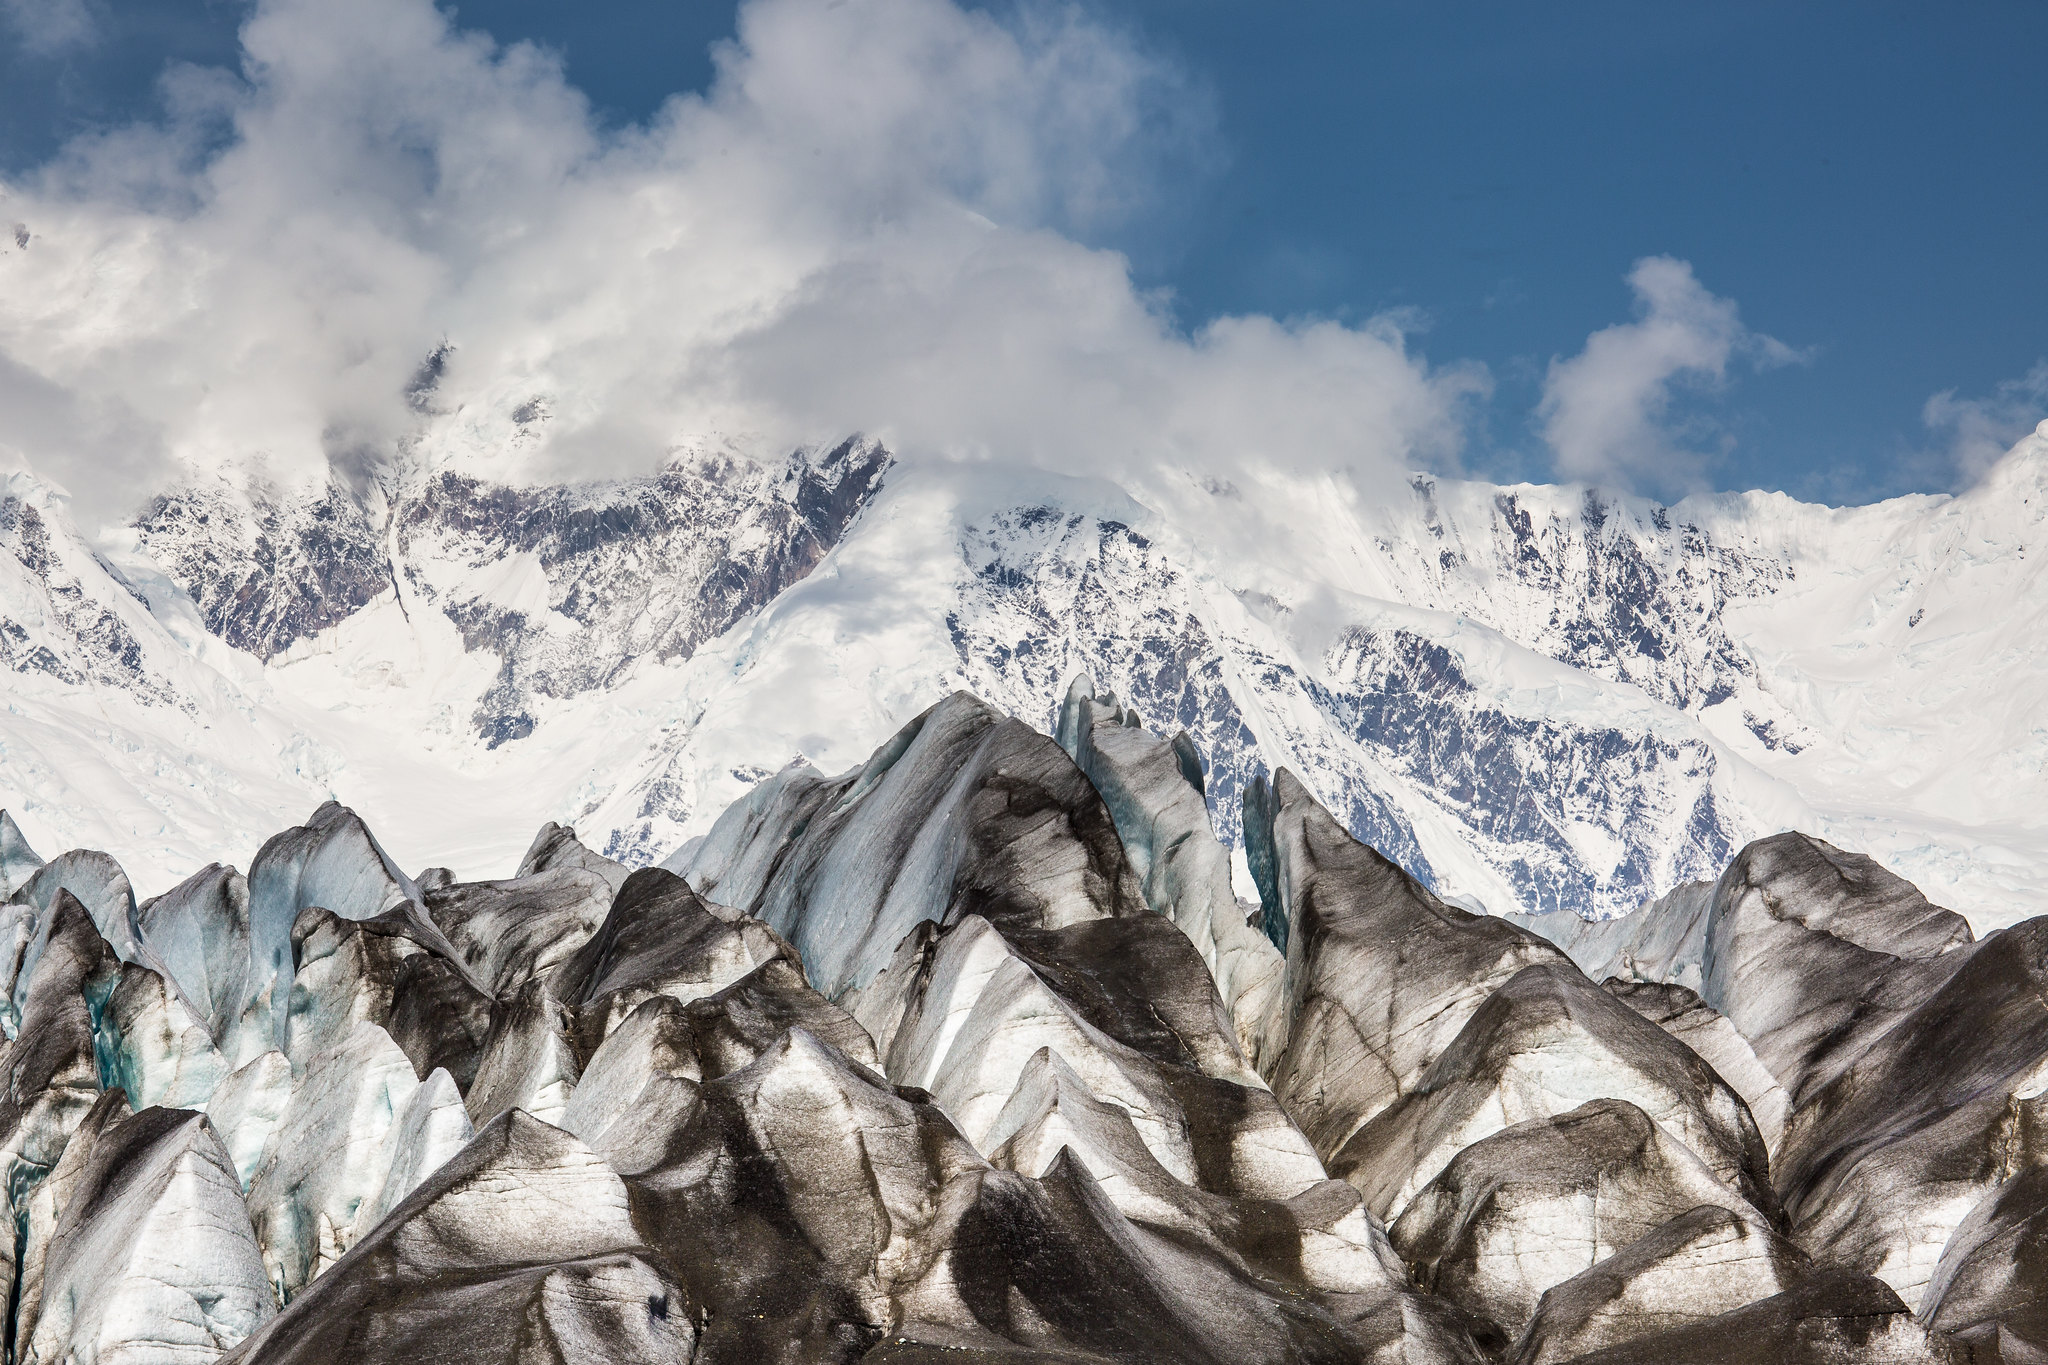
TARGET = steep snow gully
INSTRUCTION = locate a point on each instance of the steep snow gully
(973, 1053)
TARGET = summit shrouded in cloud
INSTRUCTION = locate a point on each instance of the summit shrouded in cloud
(871, 221)
(382, 228)
(1079, 236)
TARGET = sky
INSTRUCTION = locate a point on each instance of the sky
(1663, 248)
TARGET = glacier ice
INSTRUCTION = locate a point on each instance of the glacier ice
(556, 846)
(197, 934)
(1532, 1205)
(643, 1084)
(1909, 1057)
(246, 1107)
(52, 1063)
(1545, 1042)
(384, 970)
(151, 1045)
(98, 883)
(1884, 1161)
(1154, 792)
(333, 863)
(329, 1154)
(1708, 1033)
(965, 810)
(1664, 941)
(1812, 953)
(1991, 1285)
(430, 1130)
(971, 1052)
(658, 939)
(1831, 1317)
(154, 1257)
(18, 862)
(40, 1205)
(1381, 975)
(1707, 1261)
(528, 1060)
(509, 932)
(521, 1248)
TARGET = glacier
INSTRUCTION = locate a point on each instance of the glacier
(971, 1052)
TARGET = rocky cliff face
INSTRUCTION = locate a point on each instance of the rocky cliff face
(64, 616)
(268, 567)
(570, 587)
(567, 586)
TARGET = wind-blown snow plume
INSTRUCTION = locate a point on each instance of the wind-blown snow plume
(384, 229)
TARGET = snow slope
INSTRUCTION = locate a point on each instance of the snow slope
(1531, 697)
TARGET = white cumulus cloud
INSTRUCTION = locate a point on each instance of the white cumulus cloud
(878, 218)
(1608, 412)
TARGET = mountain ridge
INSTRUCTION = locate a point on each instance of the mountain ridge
(1531, 697)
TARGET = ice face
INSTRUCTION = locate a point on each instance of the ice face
(1547, 1041)
(328, 1156)
(520, 1248)
(528, 1061)
(52, 1063)
(964, 810)
(1989, 1284)
(1534, 1204)
(332, 862)
(151, 1044)
(1703, 1263)
(18, 862)
(1707, 1032)
(1381, 975)
(387, 971)
(1153, 789)
(44, 1203)
(154, 1256)
(642, 1088)
(1664, 941)
(556, 847)
(1811, 954)
(246, 1107)
(429, 1133)
(99, 885)
(197, 934)
(984, 1082)
(511, 931)
(18, 935)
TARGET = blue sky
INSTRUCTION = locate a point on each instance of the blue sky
(1866, 183)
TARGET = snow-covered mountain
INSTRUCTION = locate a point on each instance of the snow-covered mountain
(1531, 697)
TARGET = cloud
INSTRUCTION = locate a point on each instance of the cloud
(880, 217)
(45, 422)
(1607, 412)
(1977, 431)
(47, 27)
